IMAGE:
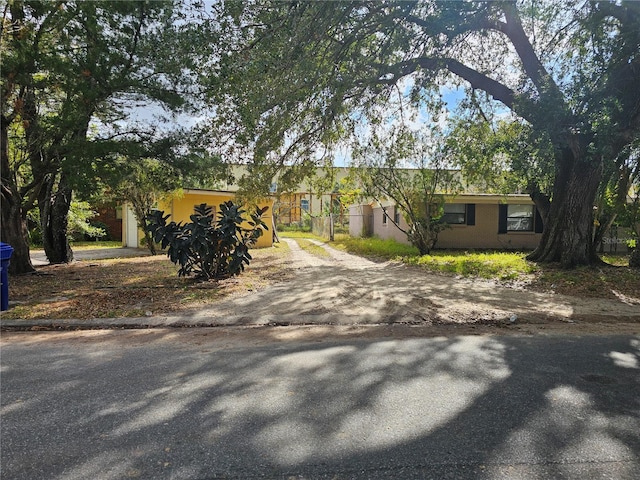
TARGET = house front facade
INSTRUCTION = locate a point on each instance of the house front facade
(481, 221)
(180, 210)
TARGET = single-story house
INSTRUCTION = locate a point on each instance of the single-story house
(182, 208)
(476, 221)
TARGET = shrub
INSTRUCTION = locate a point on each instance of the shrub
(100, 232)
(79, 224)
(207, 249)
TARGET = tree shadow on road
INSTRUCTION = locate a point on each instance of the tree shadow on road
(460, 407)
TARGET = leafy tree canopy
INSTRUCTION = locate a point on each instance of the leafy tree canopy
(410, 170)
(72, 74)
(303, 74)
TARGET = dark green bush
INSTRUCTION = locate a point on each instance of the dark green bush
(208, 249)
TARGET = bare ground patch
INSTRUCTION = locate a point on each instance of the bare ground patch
(131, 287)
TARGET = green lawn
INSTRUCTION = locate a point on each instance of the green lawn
(500, 265)
(96, 244)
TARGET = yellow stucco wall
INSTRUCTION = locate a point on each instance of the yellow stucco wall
(181, 209)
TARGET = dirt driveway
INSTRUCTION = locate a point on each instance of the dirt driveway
(347, 290)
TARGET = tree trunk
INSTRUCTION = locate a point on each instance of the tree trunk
(15, 232)
(149, 238)
(54, 215)
(14, 229)
(634, 260)
(568, 230)
(141, 209)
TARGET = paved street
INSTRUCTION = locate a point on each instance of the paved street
(104, 405)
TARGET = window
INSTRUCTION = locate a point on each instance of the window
(454, 214)
(396, 216)
(519, 218)
(384, 217)
(304, 204)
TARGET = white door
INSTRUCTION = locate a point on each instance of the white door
(131, 239)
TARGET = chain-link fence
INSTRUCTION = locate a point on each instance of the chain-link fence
(323, 227)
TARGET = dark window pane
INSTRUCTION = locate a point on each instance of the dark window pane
(453, 218)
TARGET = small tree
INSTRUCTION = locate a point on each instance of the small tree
(408, 168)
(147, 181)
(209, 250)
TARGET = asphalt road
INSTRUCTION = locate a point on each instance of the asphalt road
(459, 407)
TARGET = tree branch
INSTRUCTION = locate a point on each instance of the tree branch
(532, 65)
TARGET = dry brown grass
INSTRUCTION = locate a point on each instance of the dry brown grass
(131, 287)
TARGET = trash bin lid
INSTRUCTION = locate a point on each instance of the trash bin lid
(6, 251)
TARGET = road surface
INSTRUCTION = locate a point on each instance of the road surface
(194, 405)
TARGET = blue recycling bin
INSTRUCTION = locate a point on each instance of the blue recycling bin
(6, 251)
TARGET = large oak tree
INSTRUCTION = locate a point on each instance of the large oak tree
(71, 73)
(301, 74)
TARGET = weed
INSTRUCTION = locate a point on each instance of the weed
(375, 247)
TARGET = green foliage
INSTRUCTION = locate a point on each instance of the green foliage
(206, 248)
(73, 75)
(504, 158)
(106, 235)
(142, 183)
(79, 224)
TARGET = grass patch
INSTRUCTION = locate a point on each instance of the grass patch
(97, 244)
(496, 265)
(312, 248)
(616, 259)
(131, 287)
(299, 234)
(375, 247)
(613, 281)
(499, 265)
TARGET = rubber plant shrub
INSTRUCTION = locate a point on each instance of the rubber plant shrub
(208, 249)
